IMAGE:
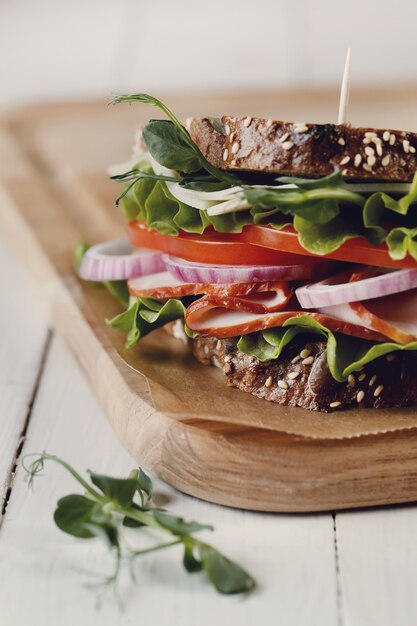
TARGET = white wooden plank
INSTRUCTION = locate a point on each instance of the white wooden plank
(378, 566)
(22, 339)
(292, 557)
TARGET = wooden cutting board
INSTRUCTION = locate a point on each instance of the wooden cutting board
(174, 415)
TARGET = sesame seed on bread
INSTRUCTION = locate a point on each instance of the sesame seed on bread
(307, 150)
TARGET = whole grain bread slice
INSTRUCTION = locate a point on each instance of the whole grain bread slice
(307, 150)
(307, 382)
(301, 377)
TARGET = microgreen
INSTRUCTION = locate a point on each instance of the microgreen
(170, 144)
(198, 181)
(110, 504)
(134, 176)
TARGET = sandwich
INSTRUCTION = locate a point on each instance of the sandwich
(283, 253)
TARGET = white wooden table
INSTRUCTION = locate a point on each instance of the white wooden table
(353, 568)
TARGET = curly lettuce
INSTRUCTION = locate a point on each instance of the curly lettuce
(324, 212)
(345, 354)
(145, 315)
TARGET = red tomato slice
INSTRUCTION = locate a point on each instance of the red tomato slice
(214, 248)
(258, 245)
(356, 250)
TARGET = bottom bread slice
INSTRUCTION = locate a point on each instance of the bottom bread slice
(301, 377)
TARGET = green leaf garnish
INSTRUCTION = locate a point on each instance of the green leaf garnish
(169, 148)
(120, 490)
(190, 562)
(189, 155)
(103, 514)
(226, 576)
(77, 515)
(177, 526)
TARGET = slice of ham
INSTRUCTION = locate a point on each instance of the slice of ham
(207, 318)
(161, 286)
(253, 297)
(261, 302)
(394, 316)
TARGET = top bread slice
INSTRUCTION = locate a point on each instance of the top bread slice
(306, 150)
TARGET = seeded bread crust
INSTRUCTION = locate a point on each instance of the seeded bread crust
(305, 381)
(300, 377)
(310, 150)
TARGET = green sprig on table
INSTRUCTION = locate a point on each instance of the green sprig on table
(109, 504)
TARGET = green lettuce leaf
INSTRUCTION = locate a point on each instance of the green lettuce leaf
(324, 238)
(230, 223)
(150, 200)
(323, 212)
(315, 211)
(272, 218)
(118, 289)
(375, 207)
(402, 241)
(133, 201)
(160, 210)
(269, 344)
(345, 354)
(373, 211)
(145, 315)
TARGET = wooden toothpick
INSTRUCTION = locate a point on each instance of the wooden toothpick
(344, 92)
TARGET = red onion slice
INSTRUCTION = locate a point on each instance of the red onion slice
(338, 290)
(117, 260)
(190, 272)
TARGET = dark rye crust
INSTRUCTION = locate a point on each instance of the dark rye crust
(307, 150)
(306, 381)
